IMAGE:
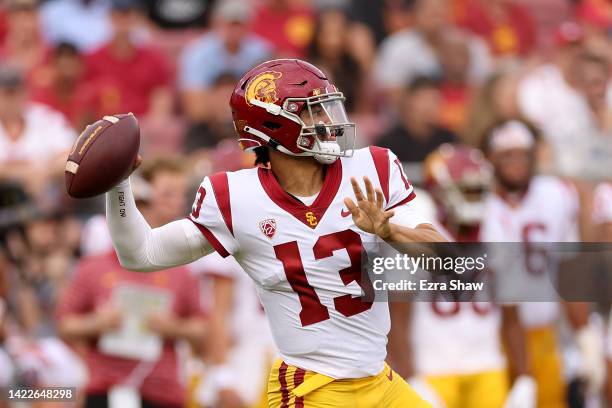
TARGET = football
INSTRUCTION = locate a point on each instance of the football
(102, 155)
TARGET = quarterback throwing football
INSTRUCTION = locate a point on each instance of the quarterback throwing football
(293, 227)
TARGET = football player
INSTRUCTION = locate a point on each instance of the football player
(457, 358)
(297, 224)
(602, 219)
(240, 350)
(537, 210)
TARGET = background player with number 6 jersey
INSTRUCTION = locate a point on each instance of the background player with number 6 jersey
(537, 211)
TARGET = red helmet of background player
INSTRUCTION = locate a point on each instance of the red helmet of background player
(458, 177)
(291, 106)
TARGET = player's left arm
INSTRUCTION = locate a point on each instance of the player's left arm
(396, 226)
(386, 210)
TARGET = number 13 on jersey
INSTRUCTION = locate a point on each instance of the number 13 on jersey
(313, 311)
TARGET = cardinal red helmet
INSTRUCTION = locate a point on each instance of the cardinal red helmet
(291, 106)
(458, 177)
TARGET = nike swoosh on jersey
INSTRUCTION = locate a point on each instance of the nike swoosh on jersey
(345, 213)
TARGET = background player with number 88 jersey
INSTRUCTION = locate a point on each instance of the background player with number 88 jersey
(451, 351)
(297, 224)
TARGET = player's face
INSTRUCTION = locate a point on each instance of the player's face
(513, 168)
(318, 115)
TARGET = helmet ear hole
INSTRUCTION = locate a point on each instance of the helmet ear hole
(271, 125)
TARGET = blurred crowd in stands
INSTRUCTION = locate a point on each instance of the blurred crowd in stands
(416, 74)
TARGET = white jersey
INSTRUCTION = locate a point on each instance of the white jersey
(306, 260)
(547, 214)
(443, 333)
(451, 338)
(602, 214)
(247, 320)
(602, 204)
(252, 350)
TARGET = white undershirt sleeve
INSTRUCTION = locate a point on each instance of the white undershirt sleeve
(408, 216)
(141, 248)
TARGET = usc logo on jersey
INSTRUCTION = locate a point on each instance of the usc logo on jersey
(263, 87)
(311, 218)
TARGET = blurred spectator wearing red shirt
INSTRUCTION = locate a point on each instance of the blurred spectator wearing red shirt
(288, 26)
(86, 311)
(60, 84)
(23, 46)
(128, 76)
(506, 25)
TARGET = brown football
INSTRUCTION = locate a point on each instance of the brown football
(102, 156)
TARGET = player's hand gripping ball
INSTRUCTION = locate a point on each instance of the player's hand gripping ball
(102, 156)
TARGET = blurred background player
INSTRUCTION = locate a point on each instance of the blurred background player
(537, 210)
(453, 351)
(240, 350)
(602, 218)
(458, 178)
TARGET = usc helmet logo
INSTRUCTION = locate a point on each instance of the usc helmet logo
(311, 219)
(262, 87)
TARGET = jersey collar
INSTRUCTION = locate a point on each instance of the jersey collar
(309, 215)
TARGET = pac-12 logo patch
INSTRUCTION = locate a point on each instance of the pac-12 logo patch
(262, 87)
(268, 227)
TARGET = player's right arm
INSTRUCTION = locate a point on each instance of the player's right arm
(142, 248)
